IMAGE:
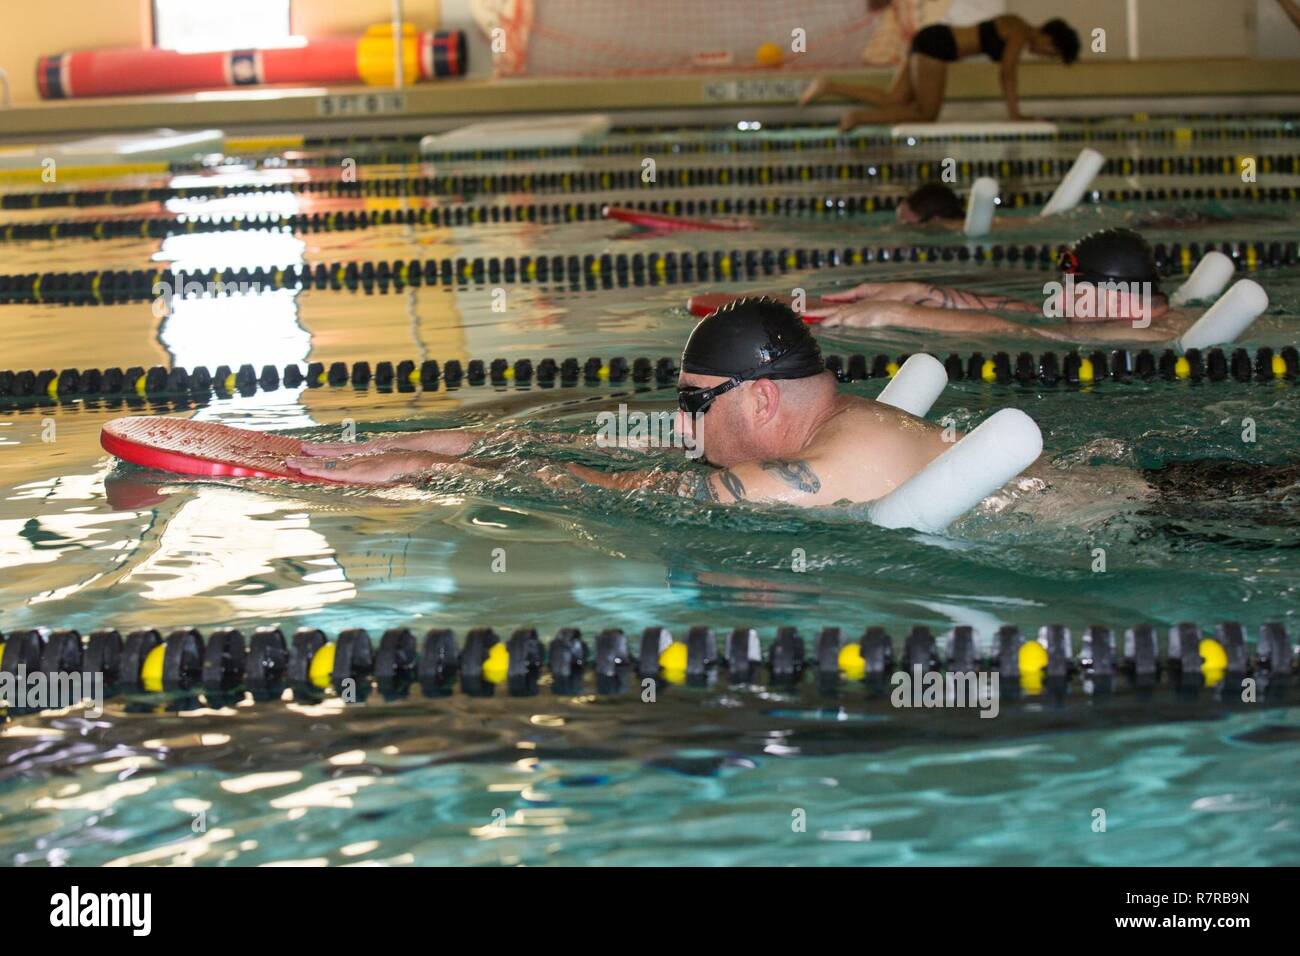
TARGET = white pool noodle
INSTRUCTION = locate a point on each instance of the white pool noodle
(1210, 277)
(1004, 445)
(1228, 318)
(1075, 183)
(916, 385)
(980, 206)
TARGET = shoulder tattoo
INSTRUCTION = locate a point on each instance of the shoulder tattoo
(732, 484)
(797, 474)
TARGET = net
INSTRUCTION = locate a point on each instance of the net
(635, 37)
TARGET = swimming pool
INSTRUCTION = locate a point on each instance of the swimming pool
(708, 776)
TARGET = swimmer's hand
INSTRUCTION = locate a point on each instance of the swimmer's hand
(437, 441)
(372, 469)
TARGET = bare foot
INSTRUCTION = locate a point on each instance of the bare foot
(813, 90)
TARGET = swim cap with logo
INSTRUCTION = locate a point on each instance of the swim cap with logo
(753, 338)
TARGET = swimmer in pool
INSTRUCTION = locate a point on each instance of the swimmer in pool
(917, 92)
(753, 391)
(932, 203)
(1109, 291)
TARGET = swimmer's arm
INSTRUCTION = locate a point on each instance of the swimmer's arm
(939, 297)
(450, 442)
(791, 481)
(1104, 332)
(921, 293)
(1008, 74)
(904, 315)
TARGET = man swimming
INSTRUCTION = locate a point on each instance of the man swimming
(753, 392)
(1109, 291)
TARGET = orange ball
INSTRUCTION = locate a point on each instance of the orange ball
(769, 54)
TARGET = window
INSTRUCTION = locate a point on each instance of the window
(193, 26)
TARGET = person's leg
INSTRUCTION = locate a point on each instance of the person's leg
(930, 83)
(900, 90)
(926, 81)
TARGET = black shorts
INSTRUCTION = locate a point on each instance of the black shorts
(936, 41)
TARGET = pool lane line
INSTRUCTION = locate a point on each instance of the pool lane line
(1192, 665)
(459, 214)
(1074, 368)
(588, 272)
(722, 139)
(242, 149)
(667, 176)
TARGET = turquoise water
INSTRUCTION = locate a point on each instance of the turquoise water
(711, 777)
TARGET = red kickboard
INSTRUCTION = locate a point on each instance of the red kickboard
(209, 449)
(664, 223)
(707, 303)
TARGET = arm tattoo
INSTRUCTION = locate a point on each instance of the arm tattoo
(797, 474)
(732, 484)
(696, 485)
(940, 298)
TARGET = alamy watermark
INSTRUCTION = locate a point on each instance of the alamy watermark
(641, 430)
(42, 690)
(164, 292)
(927, 689)
(1098, 300)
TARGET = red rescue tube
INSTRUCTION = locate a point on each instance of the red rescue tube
(706, 303)
(664, 223)
(208, 449)
(120, 72)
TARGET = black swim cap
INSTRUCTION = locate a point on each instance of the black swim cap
(753, 338)
(1114, 255)
(935, 201)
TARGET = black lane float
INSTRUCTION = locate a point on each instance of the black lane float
(396, 148)
(1080, 369)
(589, 272)
(460, 215)
(1215, 664)
(628, 176)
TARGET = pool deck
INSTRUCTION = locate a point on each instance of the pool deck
(1225, 86)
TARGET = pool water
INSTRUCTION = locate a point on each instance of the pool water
(718, 777)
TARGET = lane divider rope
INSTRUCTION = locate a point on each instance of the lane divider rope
(724, 140)
(589, 271)
(1072, 368)
(466, 214)
(667, 176)
(225, 667)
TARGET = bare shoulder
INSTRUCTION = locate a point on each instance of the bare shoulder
(880, 442)
(861, 451)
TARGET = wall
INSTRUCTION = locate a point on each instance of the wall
(67, 25)
(1166, 28)
(1180, 29)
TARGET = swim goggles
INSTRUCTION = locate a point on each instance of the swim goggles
(697, 401)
